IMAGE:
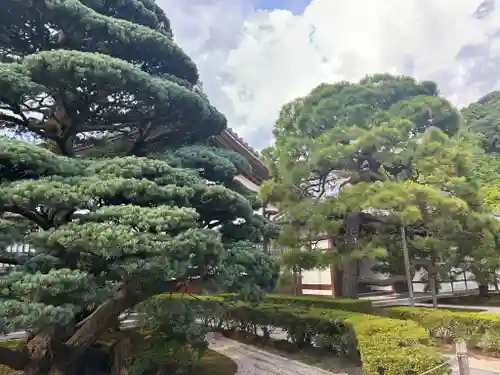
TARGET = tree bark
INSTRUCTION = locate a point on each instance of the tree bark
(48, 351)
(432, 285)
(121, 352)
(297, 282)
(484, 290)
(333, 276)
(294, 282)
(16, 359)
(350, 276)
(339, 276)
(102, 318)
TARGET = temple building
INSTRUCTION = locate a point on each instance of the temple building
(314, 282)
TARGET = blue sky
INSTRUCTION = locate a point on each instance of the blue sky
(294, 6)
(256, 55)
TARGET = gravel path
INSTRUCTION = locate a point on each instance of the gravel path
(253, 361)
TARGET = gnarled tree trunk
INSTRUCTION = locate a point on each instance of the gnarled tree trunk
(122, 353)
(56, 351)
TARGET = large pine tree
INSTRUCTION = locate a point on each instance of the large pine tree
(113, 187)
(358, 161)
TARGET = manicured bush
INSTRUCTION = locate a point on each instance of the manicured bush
(304, 328)
(478, 329)
(398, 346)
(349, 304)
(358, 305)
(394, 345)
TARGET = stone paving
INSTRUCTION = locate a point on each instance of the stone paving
(253, 361)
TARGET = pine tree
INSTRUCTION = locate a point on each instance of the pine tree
(113, 187)
(358, 161)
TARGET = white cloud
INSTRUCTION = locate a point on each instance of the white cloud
(253, 62)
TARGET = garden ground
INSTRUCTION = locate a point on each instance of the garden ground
(254, 361)
(214, 363)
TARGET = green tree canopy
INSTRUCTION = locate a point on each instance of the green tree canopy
(359, 160)
(116, 190)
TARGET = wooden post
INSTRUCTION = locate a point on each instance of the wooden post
(462, 357)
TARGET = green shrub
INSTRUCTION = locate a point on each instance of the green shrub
(478, 329)
(358, 305)
(302, 327)
(396, 345)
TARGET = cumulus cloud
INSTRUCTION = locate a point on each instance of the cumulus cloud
(253, 61)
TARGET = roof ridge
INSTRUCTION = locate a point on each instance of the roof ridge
(243, 143)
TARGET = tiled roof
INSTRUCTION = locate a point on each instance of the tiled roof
(243, 143)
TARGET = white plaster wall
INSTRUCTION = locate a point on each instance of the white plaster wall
(316, 277)
(322, 244)
(316, 292)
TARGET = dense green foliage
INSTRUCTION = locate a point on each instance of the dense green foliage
(114, 188)
(482, 120)
(480, 330)
(357, 305)
(394, 345)
(348, 304)
(358, 161)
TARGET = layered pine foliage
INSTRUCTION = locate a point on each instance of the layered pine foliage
(106, 173)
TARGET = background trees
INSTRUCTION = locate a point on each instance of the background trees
(364, 159)
(115, 190)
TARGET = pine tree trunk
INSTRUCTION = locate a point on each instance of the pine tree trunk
(298, 282)
(294, 282)
(34, 357)
(433, 287)
(54, 352)
(350, 276)
(102, 318)
(332, 280)
(16, 359)
(484, 290)
(350, 279)
(122, 353)
(339, 276)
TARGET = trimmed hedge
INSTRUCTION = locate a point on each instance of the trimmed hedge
(395, 345)
(478, 329)
(349, 304)
(358, 305)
